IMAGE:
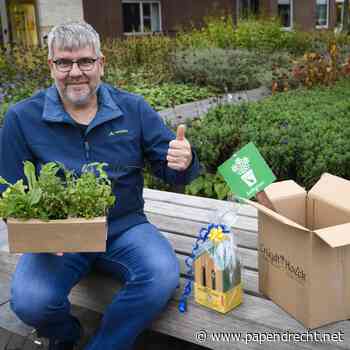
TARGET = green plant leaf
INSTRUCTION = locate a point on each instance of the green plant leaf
(34, 196)
(221, 190)
(3, 181)
(29, 172)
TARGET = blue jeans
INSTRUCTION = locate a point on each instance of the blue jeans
(140, 257)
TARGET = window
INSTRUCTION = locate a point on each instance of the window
(285, 12)
(141, 16)
(322, 10)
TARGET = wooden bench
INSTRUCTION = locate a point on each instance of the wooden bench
(180, 217)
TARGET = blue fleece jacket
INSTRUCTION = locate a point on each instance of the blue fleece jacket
(125, 132)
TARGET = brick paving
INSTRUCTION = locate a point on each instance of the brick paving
(197, 109)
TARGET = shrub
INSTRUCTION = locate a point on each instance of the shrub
(209, 185)
(217, 31)
(263, 34)
(301, 134)
(22, 72)
(311, 70)
(169, 95)
(148, 55)
(226, 70)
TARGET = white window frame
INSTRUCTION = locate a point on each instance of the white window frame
(327, 22)
(140, 2)
(291, 15)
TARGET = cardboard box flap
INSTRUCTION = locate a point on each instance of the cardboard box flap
(289, 200)
(335, 236)
(333, 190)
(275, 215)
(283, 189)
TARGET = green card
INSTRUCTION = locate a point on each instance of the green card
(246, 172)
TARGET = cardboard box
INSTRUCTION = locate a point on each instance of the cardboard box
(304, 250)
(68, 235)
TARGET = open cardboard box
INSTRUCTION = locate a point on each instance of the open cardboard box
(68, 235)
(304, 250)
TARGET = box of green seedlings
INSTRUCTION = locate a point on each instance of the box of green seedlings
(55, 211)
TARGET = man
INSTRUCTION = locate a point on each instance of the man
(77, 121)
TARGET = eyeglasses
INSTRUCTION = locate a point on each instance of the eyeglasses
(85, 64)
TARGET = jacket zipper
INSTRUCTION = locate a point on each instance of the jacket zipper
(87, 149)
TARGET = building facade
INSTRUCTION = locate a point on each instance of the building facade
(28, 21)
(305, 14)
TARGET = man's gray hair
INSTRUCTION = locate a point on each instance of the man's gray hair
(73, 36)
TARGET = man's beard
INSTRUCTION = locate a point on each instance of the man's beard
(79, 101)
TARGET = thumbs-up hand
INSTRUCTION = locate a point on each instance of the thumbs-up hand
(179, 155)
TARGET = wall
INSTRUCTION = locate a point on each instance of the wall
(106, 19)
(304, 15)
(184, 13)
(51, 13)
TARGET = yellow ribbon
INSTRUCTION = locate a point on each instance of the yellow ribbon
(216, 235)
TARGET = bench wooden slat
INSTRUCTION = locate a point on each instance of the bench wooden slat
(5, 273)
(10, 322)
(189, 227)
(170, 322)
(180, 217)
(9, 261)
(217, 323)
(257, 312)
(196, 214)
(254, 315)
(194, 201)
(184, 244)
(4, 338)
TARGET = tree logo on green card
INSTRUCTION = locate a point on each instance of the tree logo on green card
(242, 168)
(246, 172)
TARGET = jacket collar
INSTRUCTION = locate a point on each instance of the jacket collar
(55, 112)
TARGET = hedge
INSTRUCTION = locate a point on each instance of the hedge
(301, 134)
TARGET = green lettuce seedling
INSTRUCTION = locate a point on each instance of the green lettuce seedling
(50, 196)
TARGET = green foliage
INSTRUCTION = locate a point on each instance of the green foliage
(216, 32)
(263, 34)
(146, 64)
(313, 69)
(169, 95)
(209, 185)
(301, 134)
(89, 195)
(227, 70)
(217, 134)
(151, 181)
(49, 196)
(22, 72)
(150, 54)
